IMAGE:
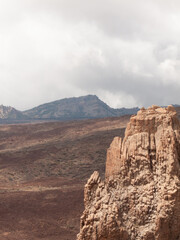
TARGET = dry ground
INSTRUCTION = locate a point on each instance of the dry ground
(43, 169)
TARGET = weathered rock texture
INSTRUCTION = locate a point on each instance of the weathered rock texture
(140, 197)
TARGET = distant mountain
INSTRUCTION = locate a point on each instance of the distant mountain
(10, 113)
(76, 108)
(85, 107)
(176, 105)
(178, 110)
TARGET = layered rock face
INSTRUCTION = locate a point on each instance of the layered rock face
(140, 197)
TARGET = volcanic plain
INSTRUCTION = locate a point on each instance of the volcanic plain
(43, 169)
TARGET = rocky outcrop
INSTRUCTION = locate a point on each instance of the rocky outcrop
(10, 113)
(140, 197)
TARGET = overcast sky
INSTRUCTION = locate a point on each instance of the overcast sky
(126, 52)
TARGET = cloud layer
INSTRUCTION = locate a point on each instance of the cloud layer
(126, 52)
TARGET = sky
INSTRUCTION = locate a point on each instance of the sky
(126, 52)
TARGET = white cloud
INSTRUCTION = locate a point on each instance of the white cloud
(127, 52)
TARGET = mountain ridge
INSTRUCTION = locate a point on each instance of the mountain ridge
(84, 107)
(66, 109)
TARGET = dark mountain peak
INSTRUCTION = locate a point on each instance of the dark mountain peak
(76, 99)
(84, 107)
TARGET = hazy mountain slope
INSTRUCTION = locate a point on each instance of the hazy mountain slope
(126, 111)
(76, 108)
(178, 110)
(85, 107)
(11, 113)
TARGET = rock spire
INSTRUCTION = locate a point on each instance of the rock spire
(140, 197)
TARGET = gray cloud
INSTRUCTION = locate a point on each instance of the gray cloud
(126, 52)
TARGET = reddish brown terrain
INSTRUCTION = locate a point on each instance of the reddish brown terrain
(43, 169)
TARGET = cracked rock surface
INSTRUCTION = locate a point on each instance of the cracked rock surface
(140, 197)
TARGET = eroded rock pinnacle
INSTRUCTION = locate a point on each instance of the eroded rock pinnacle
(140, 197)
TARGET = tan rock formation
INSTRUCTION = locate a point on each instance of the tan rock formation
(140, 197)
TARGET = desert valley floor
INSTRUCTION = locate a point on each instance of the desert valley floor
(43, 169)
